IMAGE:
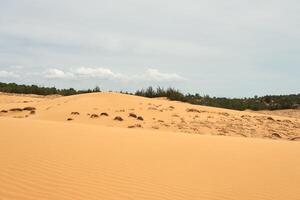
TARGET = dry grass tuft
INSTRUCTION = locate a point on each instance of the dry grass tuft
(118, 118)
(140, 118)
(193, 110)
(135, 126)
(75, 113)
(94, 116)
(104, 114)
(132, 115)
(276, 135)
(16, 110)
(29, 108)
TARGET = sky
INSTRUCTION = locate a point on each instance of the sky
(232, 48)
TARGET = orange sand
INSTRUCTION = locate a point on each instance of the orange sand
(43, 156)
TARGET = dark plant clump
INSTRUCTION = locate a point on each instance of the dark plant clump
(16, 110)
(132, 115)
(29, 108)
(104, 114)
(94, 116)
(140, 118)
(75, 113)
(193, 110)
(118, 118)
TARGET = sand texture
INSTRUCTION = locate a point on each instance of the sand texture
(119, 110)
(172, 151)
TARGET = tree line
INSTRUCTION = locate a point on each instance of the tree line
(268, 102)
(40, 90)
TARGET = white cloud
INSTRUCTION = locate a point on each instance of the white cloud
(106, 73)
(97, 73)
(54, 73)
(8, 74)
(156, 75)
(223, 38)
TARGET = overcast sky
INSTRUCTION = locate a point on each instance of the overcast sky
(223, 48)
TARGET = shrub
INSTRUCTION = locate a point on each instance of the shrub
(29, 108)
(16, 110)
(132, 115)
(104, 114)
(94, 116)
(140, 118)
(75, 113)
(118, 118)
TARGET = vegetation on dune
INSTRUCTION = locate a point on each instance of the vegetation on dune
(34, 89)
(269, 102)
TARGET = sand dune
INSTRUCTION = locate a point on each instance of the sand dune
(156, 114)
(59, 160)
(294, 113)
(114, 146)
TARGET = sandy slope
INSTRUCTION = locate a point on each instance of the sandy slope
(294, 113)
(45, 156)
(40, 159)
(158, 114)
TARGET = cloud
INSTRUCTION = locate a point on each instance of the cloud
(54, 73)
(97, 73)
(107, 74)
(223, 38)
(156, 75)
(8, 74)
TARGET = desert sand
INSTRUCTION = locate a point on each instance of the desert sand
(156, 114)
(73, 148)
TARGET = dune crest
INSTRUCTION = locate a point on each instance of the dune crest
(120, 110)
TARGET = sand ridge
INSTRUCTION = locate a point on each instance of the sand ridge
(120, 110)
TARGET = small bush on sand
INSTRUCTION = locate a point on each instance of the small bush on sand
(75, 113)
(29, 108)
(4, 111)
(104, 114)
(118, 118)
(192, 110)
(16, 110)
(295, 139)
(32, 112)
(140, 118)
(276, 135)
(132, 115)
(135, 126)
(69, 119)
(94, 116)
